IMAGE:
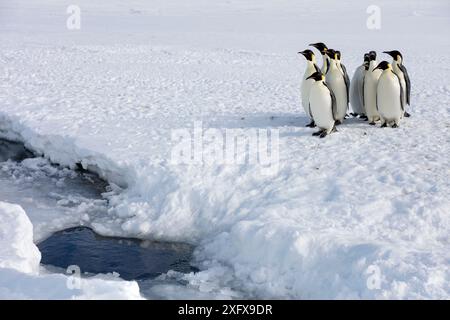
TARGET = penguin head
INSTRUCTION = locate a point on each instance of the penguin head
(317, 76)
(338, 55)
(366, 57)
(372, 55)
(308, 54)
(332, 54)
(320, 46)
(396, 55)
(366, 61)
(383, 65)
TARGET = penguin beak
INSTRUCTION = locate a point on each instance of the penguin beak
(310, 77)
(302, 53)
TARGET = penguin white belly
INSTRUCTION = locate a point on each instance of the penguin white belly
(356, 94)
(305, 91)
(370, 94)
(324, 64)
(388, 98)
(336, 82)
(321, 107)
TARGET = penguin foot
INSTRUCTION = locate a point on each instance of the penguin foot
(346, 116)
(394, 125)
(384, 125)
(354, 115)
(364, 118)
(312, 124)
(323, 134)
(337, 122)
(318, 133)
(406, 114)
(372, 123)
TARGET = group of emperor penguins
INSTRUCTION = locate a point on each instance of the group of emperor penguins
(376, 92)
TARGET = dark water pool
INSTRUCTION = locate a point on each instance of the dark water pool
(133, 259)
(14, 151)
(35, 188)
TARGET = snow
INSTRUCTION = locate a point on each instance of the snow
(21, 277)
(48, 193)
(16, 236)
(363, 206)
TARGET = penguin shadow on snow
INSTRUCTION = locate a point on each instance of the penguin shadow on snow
(263, 121)
(288, 121)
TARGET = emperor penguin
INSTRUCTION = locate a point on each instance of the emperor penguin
(311, 67)
(322, 103)
(356, 89)
(340, 86)
(402, 73)
(370, 89)
(343, 69)
(323, 51)
(389, 96)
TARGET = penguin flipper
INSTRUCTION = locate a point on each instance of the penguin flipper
(333, 102)
(408, 83)
(347, 81)
(402, 103)
(317, 68)
(363, 102)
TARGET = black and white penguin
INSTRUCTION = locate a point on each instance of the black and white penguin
(322, 104)
(340, 86)
(311, 67)
(389, 96)
(370, 89)
(356, 89)
(325, 59)
(343, 69)
(402, 73)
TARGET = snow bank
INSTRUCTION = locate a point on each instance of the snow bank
(17, 250)
(22, 278)
(18, 285)
(63, 150)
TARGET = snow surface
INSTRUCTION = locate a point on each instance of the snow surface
(16, 236)
(48, 193)
(109, 95)
(21, 277)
